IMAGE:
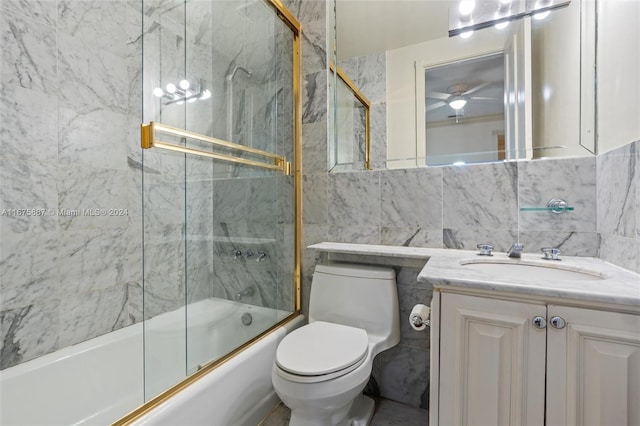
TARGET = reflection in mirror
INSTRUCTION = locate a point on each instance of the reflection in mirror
(464, 104)
(352, 147)
(549, 89)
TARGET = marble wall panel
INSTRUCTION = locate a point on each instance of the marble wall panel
(43, 11)
(354, 199)
(29, 124)
(22, 334)
(28, 266)
(573, 180)
(617, 183)
(480, 196)
(29, 51)
(91, 314)
(411, 197)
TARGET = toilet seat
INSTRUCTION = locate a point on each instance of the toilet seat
(321, 351)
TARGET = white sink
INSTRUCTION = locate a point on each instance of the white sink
(530, 270)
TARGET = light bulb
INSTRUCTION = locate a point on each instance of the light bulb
(501, 25)
(158, 92)
(466, 34)
(466, 7)
(171, 88)
(184, 84)
(206, 94)
(540, 16)
(458, 103)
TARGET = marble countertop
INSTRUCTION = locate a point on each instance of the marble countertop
(444, 269)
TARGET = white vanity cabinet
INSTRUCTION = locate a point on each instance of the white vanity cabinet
(509, 362)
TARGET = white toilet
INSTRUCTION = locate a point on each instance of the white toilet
(321, 368)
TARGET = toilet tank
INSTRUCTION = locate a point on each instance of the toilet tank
(359, 296)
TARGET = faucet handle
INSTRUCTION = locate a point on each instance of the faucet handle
(550, 253)
(484, 249)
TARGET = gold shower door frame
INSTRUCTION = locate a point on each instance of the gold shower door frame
(294, 25)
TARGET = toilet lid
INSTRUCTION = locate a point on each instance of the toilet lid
(321, 348)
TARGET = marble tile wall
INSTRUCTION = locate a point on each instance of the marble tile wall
(82, 275)
(66, 278)
(618, 215)
(368, 73)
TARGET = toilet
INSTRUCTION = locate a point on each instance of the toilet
(321, 368)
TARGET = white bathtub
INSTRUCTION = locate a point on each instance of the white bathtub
(100, 380)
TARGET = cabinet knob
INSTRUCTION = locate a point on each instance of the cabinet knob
(539, 322)
(558, 322)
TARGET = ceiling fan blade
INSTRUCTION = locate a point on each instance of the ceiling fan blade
(435, 106)
(483, 98)
(476, 88)
(438, 95)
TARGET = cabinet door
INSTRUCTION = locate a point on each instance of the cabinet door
(593, 368)
(492, 362)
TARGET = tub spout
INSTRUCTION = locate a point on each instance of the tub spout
(249, 291)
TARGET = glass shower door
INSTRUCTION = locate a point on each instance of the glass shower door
(219, 236)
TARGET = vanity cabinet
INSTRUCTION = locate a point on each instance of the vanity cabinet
(510, 362)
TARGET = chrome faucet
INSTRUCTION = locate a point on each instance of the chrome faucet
(249, 291)
(516, 250)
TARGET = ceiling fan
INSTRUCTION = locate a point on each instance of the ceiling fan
(458, 96)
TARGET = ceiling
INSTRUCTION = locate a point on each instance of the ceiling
(370, 26)
(486, 73)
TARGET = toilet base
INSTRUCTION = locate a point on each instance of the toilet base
(361, 411)
(360, 414)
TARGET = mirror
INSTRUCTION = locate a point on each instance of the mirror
(548, 90)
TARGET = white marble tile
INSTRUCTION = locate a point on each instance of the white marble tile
(617, 183)
(372, 74)
(28, 332)
(411, 237)
(88, 80)
(312, 234)
(93, 259)
(91, 198)
(28, 53)
(354, 199)
(314, 201)
(314, 151)
(87, 315)
(468, 239)
(28, 267)
(404, 375)
(354, 234)
(637, 183)
(411, 197)
(28, 185)
(97, 23)
(621, 251)
(480, 196)
(230, 200)
(29, 124)
(573, 180)
(312, 16)
(82, 139)
(43, 11)
(378, 135)
(570, 243)
(314, 101)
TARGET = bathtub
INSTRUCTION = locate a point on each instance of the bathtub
(102, 379)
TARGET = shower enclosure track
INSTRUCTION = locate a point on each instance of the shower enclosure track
(271, 161)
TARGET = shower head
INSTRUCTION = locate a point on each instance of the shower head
(229, 77)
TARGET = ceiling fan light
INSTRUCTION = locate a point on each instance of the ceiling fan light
(457, 103)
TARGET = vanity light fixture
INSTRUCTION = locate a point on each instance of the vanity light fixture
(469, 16)
(184, 92)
